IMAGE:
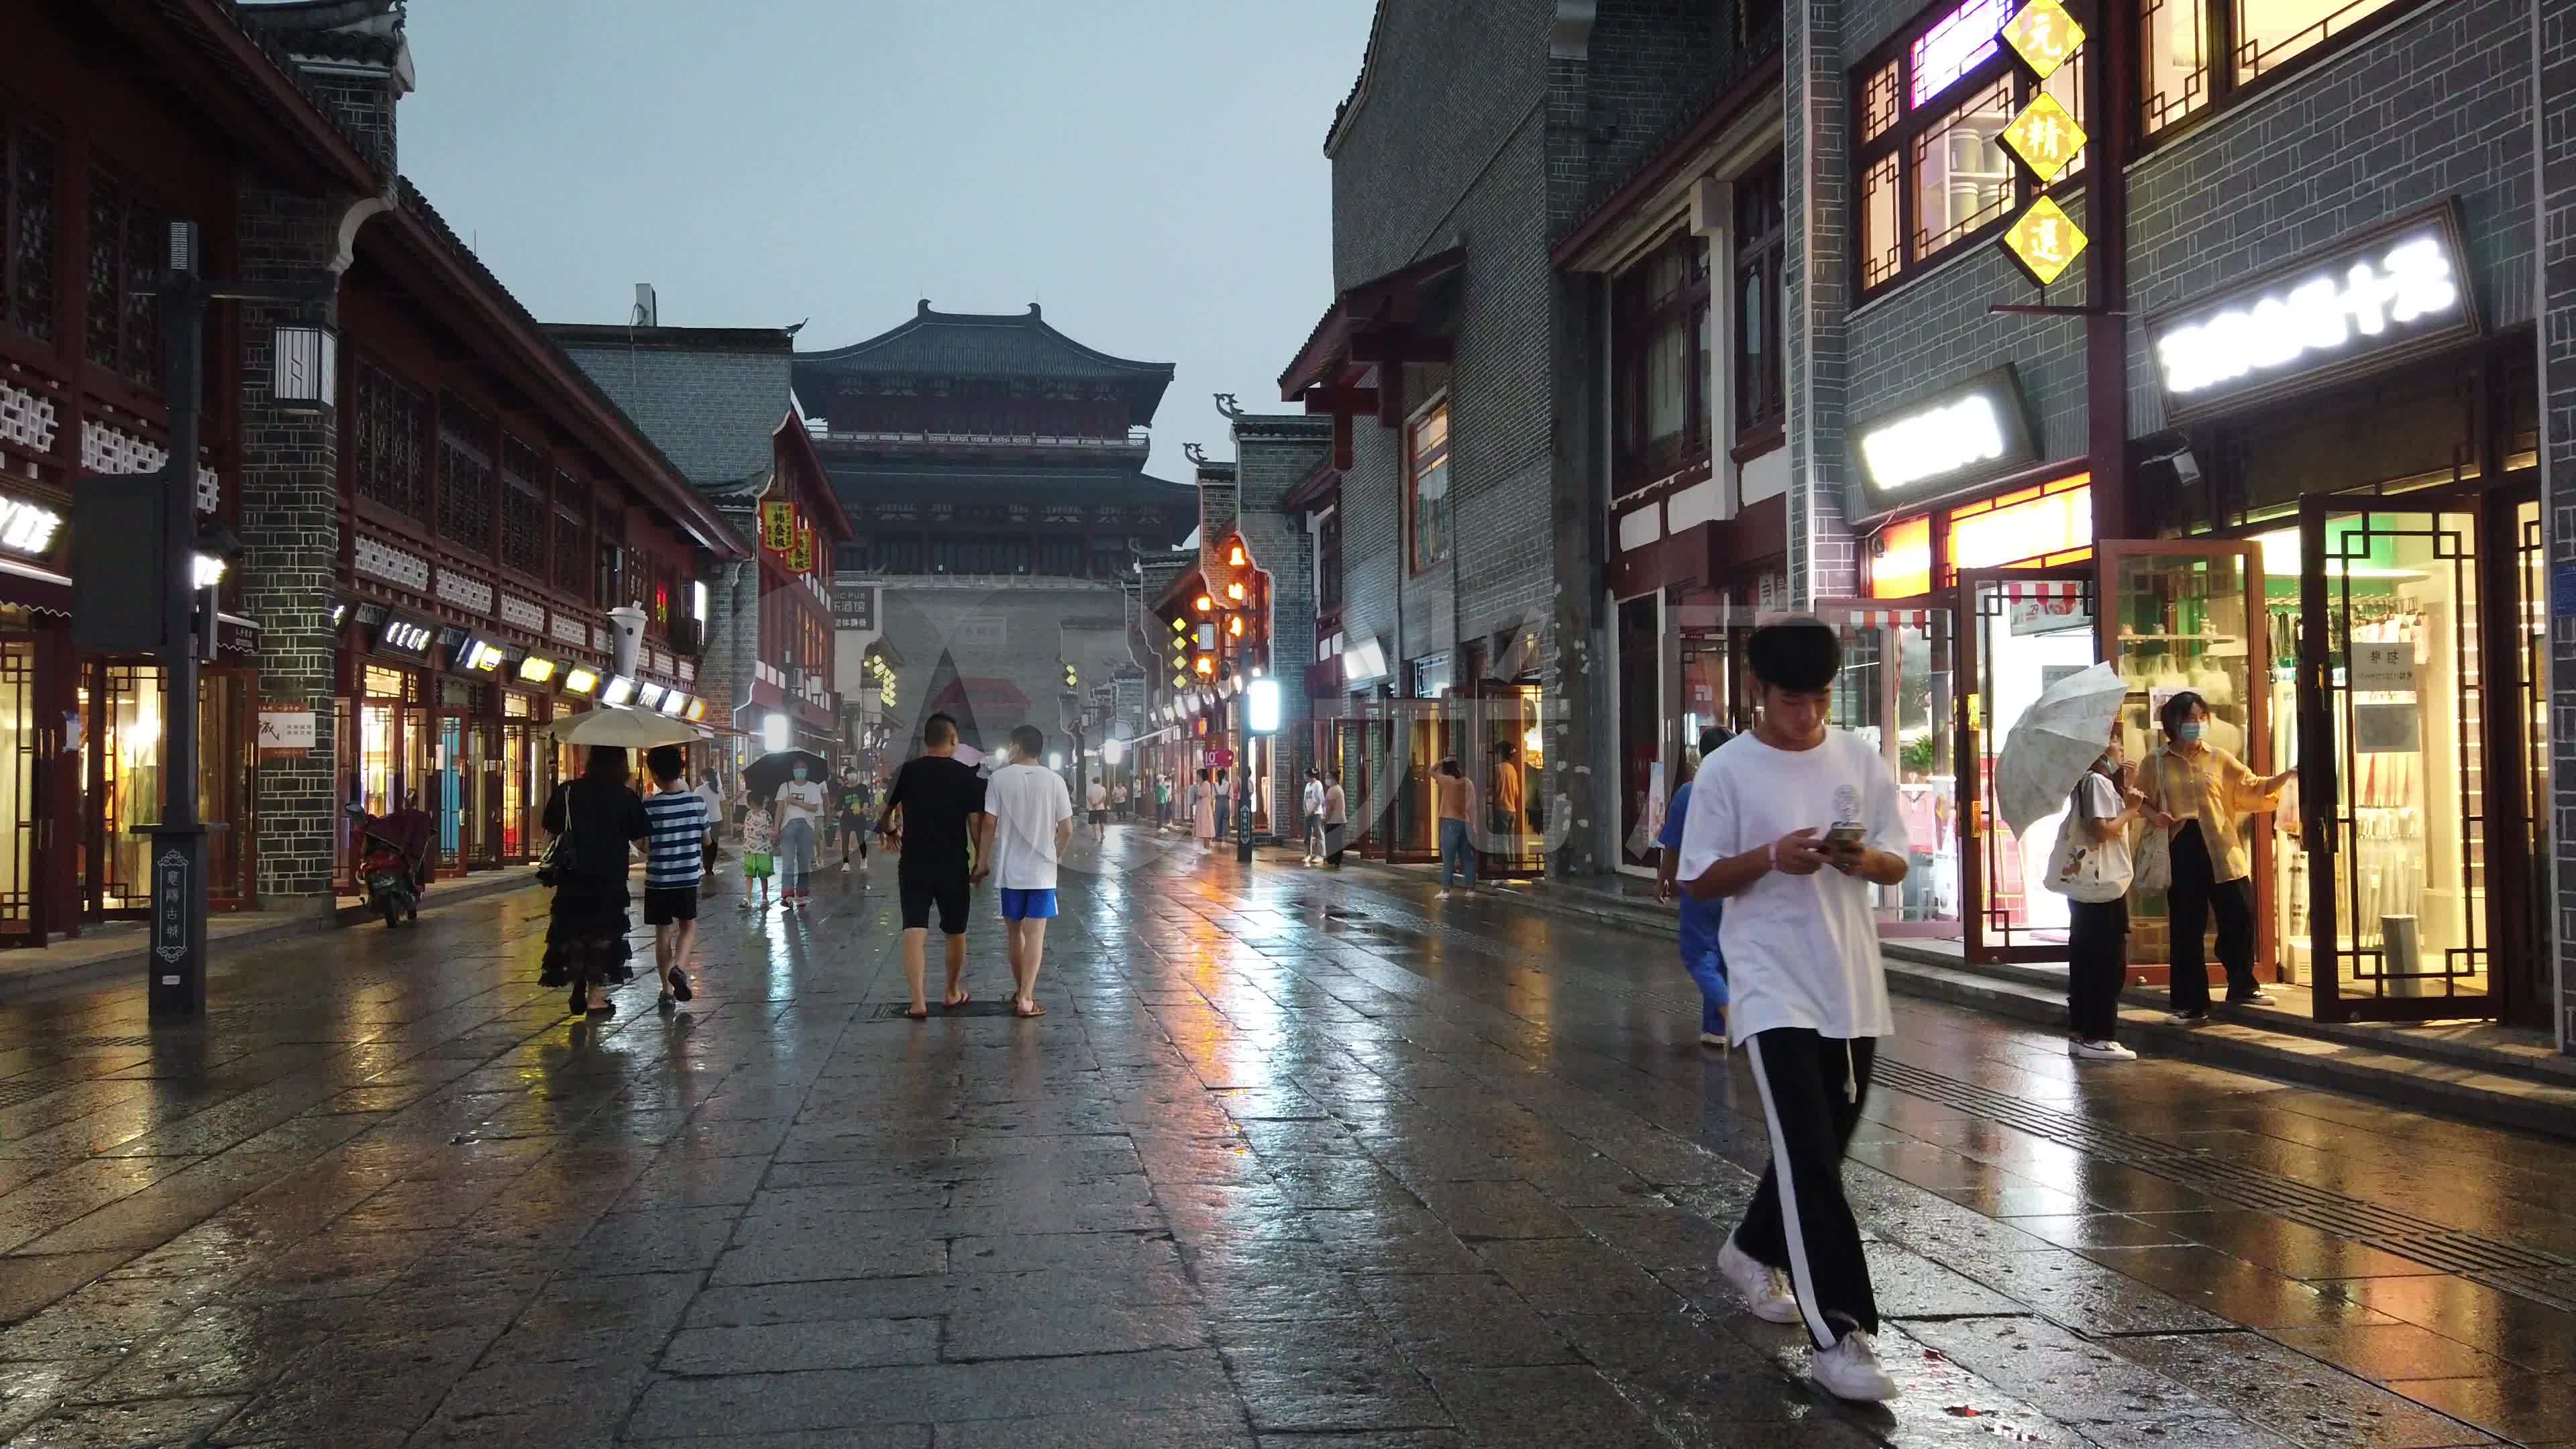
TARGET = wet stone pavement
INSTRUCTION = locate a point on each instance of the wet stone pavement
(1293, 1160)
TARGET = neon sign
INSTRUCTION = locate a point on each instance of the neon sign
(1968, 433)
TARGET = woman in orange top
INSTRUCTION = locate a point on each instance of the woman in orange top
(2198, 792)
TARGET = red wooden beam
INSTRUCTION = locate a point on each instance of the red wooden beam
(1391, 405)
(1342, 441)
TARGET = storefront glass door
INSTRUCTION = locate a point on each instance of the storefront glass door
(2026, 631)
(514, 792)
(2188, 615)
(2393, 769)
(1897, 690)
(447, 766)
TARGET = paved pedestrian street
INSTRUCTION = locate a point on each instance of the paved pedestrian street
(1294, 1159)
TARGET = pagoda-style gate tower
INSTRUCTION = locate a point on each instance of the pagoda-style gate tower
(994, 471)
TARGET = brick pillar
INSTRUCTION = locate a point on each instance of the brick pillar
(2555, 24)
(733, 647)
(290, 532)
(1822, 561)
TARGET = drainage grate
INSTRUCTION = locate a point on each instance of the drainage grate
(19, 1094)
(2509, 1266)
(894, 1010)
(106, 1041)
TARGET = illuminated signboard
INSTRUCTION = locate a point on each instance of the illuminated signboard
(2369, 304)
(480, 655)
(406, 637)
(618, 690)
(2044, 36)
(1937, 445)
(580, 680)
(650, 695)
(2045, 240)
(674, 703)
(537, 669)
(26, 528)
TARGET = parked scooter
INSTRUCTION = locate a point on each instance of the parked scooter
(393, 864)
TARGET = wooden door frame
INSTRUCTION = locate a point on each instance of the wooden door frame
(1968, 657)
(2316, 744)
(2241, 546)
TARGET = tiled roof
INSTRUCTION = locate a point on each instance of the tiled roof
(980, 345)
(711, 408)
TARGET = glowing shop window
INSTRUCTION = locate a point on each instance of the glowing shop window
(1903, 567)
(2031, 526)
(1956, 45)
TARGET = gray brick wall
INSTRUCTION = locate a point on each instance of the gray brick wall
(290, 533)
(2557, 344)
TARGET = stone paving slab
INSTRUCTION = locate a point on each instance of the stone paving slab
(1293, 1160)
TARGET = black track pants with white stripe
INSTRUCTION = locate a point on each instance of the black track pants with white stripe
(1800, 1221)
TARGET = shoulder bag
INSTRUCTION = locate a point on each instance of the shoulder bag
(2078, 868)
(561, 858)
(2154, 868)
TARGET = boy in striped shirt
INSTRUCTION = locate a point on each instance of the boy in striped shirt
(675, 839)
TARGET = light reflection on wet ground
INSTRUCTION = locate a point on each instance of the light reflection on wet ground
(1296, 1158)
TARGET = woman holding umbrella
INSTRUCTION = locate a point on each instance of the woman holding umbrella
(593, 820)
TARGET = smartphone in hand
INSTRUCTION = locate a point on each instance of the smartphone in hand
(1843, 840)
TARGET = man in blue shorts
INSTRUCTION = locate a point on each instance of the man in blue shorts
(1028, 820)
(1700, 954)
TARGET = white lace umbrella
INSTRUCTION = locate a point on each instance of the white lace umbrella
(633, 729)
(2054, 742)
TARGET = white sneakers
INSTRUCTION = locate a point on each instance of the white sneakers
(1850, 1370)
(1765, 1289)
(2101, 1051)
(1712, 1039)
(2259, 998)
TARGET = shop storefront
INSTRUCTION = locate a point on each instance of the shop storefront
(1681, 610)
(81, 735)
(2338, 547)
(2363, 582)
(1481, 706)
(455, 723)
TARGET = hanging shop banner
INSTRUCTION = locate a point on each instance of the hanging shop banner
(1935, 446)
(2370, 303)
(778, 526)
(800, 554)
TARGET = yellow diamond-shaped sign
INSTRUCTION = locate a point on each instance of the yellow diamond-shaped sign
(2045, 137)
(2043, 35)
(2045, 241)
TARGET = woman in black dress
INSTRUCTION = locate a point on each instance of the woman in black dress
(586, 934)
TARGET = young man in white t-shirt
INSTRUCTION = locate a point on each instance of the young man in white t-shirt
(1028, 820)
(1791, 824)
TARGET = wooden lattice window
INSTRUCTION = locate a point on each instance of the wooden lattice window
(523, 510)
(126, 245)
(465, 477)
(572, 535)
(26, 230)
(388, 426)
(609, 560)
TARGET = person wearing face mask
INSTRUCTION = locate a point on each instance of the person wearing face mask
(2200, 793)
(800, 815)
(2097, 936)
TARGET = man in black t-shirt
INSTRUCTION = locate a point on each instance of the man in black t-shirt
(941, 800)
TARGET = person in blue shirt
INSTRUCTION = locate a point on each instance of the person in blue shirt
(1701, 956)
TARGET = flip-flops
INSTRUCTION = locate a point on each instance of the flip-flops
(1027, 1012)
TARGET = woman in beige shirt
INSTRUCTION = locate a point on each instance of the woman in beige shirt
(1451, 797)
(2200, 793)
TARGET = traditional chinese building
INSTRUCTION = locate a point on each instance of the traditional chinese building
(994, 473)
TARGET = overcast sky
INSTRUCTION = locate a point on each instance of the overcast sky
(1150, 170)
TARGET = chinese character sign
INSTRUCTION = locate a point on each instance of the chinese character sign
(2043, 35)
(800, 550)
(2045, 241)
(2045, 137)
(778, 526)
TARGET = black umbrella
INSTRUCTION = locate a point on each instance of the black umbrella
(763, 776)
